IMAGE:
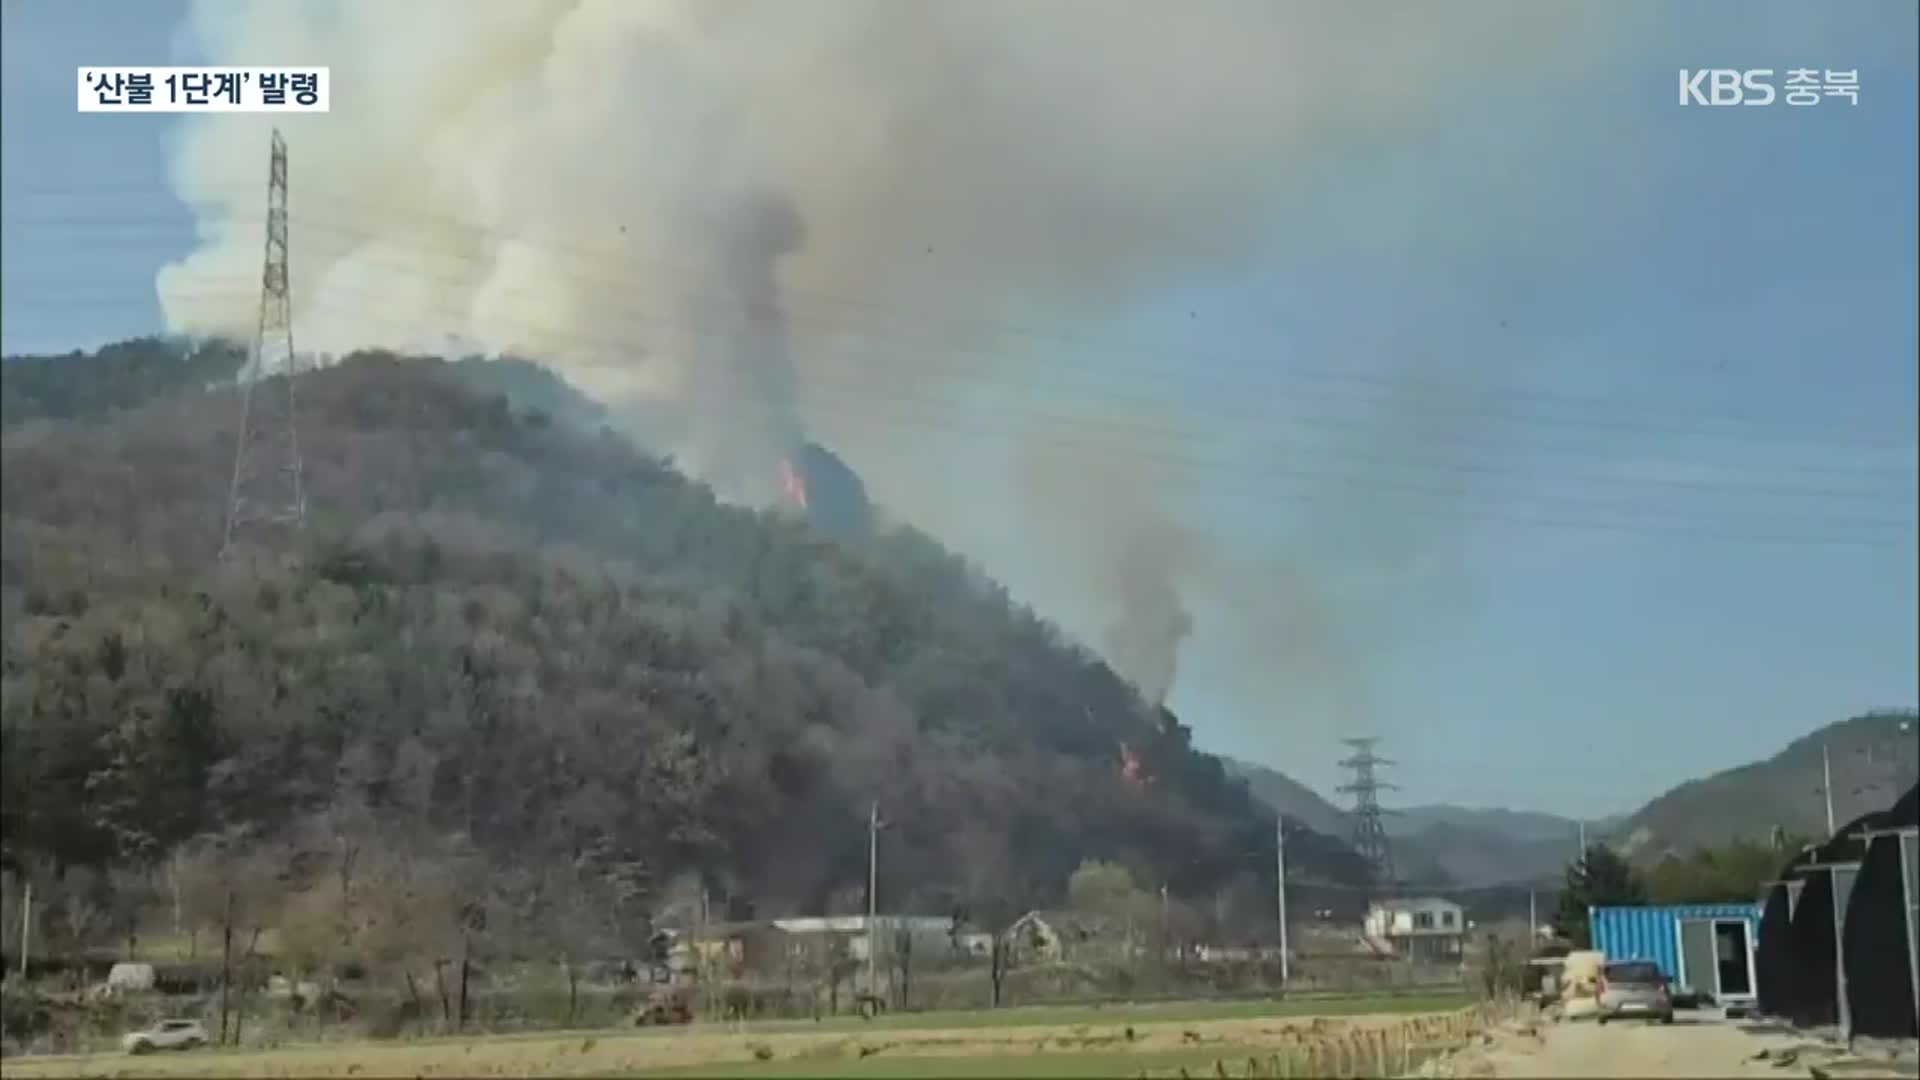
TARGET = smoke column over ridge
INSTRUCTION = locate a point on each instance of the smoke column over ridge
(644, 193)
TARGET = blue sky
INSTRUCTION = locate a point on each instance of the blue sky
(1656, 297)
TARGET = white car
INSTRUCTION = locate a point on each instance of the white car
(165, 1035)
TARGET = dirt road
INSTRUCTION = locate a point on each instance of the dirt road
(1703, 1045)
(1689, 1047)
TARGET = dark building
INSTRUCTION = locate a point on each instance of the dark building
(1881, 942)
(1819, 922)
(1805, 924)
(1772, 962)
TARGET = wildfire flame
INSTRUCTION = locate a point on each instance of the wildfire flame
(1132, 767)
(792, 485)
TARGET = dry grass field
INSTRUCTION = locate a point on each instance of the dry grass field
(1115, 1041)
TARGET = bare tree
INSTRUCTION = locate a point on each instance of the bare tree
(237, 884)
(131, 895)
(566, 921)
(413, 927)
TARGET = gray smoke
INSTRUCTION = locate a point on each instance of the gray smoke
(753, 373)
(1143, 642)
(746, 221)
(1116, 520)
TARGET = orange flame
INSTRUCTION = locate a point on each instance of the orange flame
(791, 484)
(1132, 767)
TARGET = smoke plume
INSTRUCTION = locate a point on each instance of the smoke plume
(1143, 642)
(740, 221)
(1117, 521)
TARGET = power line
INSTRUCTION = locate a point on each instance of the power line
(862, 411)
(1297, 419)
(1398, 384)
(866, 392)
(628, 256)
(1137, 430)
(856, 404)
(1266, 420)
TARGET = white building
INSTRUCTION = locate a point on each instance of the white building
(1423, 928)
(931, 934)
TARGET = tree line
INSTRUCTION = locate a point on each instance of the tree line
(1736, 872)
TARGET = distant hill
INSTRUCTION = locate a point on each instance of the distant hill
(1290, 797)
(1515, 824)
(1485, 845)
(1480, 855)
(1875, 756)
(1438, 845)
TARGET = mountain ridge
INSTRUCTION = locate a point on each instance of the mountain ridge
(514, 634)
(1874, 757)
(1437, 845)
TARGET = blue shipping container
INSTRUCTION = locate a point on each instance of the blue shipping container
(1718, 939)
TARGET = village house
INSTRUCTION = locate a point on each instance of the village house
(771, 944)
(1420, 928)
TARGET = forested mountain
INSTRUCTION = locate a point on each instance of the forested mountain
(521, 643)
(91, 386)
(1291, 797)
(1874, 758)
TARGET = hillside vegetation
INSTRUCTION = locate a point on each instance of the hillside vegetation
(523, 664)
(1875, 757)
(1288, 796)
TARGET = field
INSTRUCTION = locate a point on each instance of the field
(1081, 1041)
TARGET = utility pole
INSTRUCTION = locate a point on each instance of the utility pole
(1826, 785)
(1533, 923)
(701, 960)
(873, 887)
(1583, 843)
(26, 930)
(1280, 891)
(226, 965)
(1166, 928)
(267, 496)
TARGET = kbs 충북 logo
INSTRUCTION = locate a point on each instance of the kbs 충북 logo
(1756, 86)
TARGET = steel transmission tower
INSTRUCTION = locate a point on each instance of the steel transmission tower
(1369, 832)
(268, 500)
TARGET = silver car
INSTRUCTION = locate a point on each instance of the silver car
(165, 1035)
(1634, 988)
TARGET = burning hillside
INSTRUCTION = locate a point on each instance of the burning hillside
(814, 480)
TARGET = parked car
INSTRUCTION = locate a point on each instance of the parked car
(165, 1035)
(1633, 988)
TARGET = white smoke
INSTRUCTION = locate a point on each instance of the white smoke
(643, 192)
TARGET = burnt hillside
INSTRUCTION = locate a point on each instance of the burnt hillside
(528, 641)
